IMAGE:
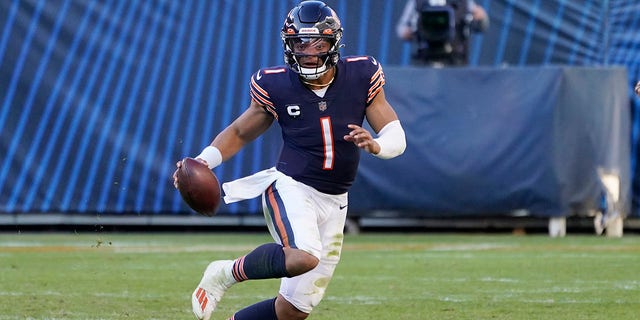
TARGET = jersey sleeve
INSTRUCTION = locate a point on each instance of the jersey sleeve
(259, 92)
(370, 70)
(376, 82)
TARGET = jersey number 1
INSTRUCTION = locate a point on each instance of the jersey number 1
(327, 138)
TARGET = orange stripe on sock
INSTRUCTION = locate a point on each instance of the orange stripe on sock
(238, 270)
(242, 273)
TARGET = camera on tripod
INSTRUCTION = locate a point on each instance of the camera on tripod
(443, 30)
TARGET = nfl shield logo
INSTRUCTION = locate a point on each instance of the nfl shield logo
(322, 105)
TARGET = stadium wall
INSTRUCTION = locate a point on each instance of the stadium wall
(100, 98)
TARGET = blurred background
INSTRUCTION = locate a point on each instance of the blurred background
(99, 99)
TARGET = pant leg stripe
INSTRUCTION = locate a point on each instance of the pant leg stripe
(279, 217)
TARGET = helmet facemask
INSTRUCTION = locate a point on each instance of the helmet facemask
(295, 58)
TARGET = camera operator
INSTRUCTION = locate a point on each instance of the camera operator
(441, 29)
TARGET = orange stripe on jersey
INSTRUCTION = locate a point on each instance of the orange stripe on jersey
(272, 111)
(259, 98)
(373, 95)
(260, 94)
(377, 74)
(258, 88)
(377, 81)
(267, 108)
(376, 84)
(277, 217)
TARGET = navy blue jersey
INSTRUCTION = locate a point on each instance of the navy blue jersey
(313, 128)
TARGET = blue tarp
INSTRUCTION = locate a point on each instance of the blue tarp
(484, 141)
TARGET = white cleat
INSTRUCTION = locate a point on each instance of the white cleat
(212, 287)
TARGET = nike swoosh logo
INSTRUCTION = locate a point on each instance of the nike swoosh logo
(375, 63)
(342, 207)
(258, 76)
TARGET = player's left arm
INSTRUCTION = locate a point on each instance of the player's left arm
(390, 141)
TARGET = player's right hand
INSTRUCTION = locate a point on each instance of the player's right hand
(175, 174)
(178, 166)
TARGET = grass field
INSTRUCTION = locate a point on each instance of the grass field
(381, 276)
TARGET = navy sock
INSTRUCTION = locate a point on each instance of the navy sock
(265, 310)
(264, 262)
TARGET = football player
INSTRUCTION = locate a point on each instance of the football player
(320, 101)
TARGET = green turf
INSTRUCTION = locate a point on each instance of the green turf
(381, 276)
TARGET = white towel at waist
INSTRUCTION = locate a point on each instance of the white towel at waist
(251, 186)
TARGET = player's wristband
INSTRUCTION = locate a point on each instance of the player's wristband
(211, 155)
(391, 140)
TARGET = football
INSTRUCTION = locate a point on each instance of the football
(199, 187)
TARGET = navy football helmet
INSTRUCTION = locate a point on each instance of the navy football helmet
(307, 22)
